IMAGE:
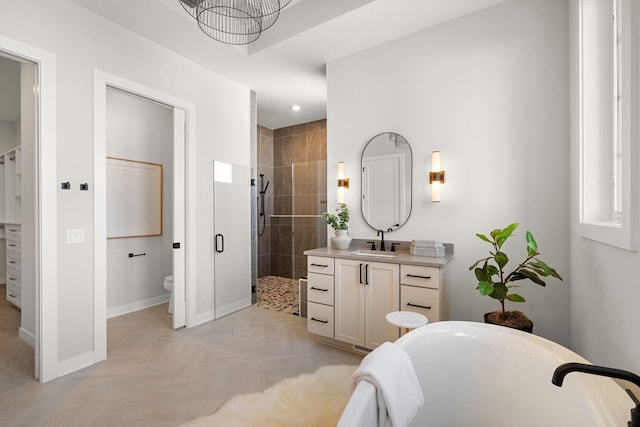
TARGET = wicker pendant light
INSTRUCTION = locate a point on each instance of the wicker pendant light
(234, 21)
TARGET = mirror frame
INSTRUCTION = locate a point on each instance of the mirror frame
(410, 186)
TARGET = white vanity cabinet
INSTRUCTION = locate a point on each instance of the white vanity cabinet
(349, 295)
(420, 291)
(10, 216)
(14, 255)
(364, 293)
(320, 296)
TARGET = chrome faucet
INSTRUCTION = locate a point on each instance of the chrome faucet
(566, 368)
(382, 248)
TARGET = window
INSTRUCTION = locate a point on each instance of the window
(608, 120)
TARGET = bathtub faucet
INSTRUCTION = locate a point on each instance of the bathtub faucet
(566, 368)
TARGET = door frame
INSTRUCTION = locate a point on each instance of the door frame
(46, 232)
(102, 80)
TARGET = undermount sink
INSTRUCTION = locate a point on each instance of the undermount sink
(364, 252)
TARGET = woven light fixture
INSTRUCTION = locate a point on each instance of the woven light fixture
(234, 21)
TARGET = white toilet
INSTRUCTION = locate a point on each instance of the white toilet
(168, 285)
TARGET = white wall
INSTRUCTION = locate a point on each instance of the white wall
(605, 290)
(10, 90)
(490, 91)
(81, 42)
(142, 131)
(8, 135)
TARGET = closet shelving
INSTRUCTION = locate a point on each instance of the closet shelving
(10, 218)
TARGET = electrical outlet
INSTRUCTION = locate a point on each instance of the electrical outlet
(75, 235)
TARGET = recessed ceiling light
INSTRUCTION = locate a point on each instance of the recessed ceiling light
(295, 107)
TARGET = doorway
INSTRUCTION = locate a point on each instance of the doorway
(34, 234)
(179, 237)
(17, 294)
(139, 252)
(289, 215)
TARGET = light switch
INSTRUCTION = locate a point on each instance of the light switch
(75, 235)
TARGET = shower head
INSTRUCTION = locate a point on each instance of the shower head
(266, 186)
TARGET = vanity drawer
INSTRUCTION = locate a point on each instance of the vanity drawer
(13, 280)
(14, 294)
(320, 319)
(13, 273)
(13, 232)
(424, 301)
(320, 288)
(13, 260)
(416, 275)
(316, 264)
(13, 246)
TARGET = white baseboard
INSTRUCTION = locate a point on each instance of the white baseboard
(135, 306)
(205, 317)
(232, 308)
(27, 337)
(210, 315)
(75, 363)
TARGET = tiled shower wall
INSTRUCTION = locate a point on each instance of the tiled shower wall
(294, 160)
(265, 166)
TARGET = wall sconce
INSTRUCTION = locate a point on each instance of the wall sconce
(436, 176)
(343, 183)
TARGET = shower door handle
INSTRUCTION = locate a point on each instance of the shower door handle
(219, 243)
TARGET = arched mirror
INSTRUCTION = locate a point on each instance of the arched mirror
(386, 181)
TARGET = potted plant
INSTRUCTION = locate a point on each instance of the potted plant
(340, 223)
(495, 282)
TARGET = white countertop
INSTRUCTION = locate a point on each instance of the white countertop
(401, 257)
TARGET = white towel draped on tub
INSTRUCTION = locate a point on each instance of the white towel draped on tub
(399, 395)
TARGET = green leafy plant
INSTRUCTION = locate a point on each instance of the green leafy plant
(494, 282)
(339, 221)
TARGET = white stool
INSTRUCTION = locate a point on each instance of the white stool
(406, 319)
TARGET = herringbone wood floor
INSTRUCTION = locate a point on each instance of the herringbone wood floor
(155, 376)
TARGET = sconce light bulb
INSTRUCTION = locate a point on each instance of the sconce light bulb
(436, 176)
(435, 191)
(435, 161)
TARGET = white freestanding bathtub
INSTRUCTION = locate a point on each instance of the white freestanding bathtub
(473, 374)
